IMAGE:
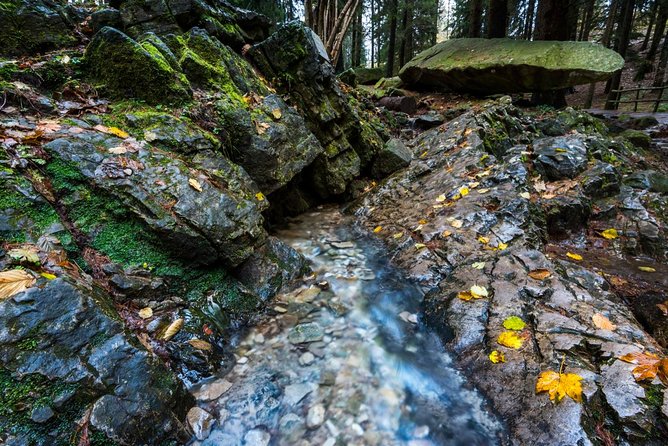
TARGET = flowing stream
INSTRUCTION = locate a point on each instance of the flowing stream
(346, 362)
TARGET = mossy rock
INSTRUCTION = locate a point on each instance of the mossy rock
(490, 66)
(128, 69)
(33, 26)
(637, 138)
(369, 76)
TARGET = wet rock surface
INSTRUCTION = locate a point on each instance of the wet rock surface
(492, 234)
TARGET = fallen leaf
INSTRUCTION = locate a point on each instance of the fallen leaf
(398, 235)
(663, 307)
(456, 224)
(172, 330)
(24, 255)
(497, 357)
(610, 234)
(479, 291)
(540, 274)
(465, 295)
(603, 322)
(560, 150)
(478, 265)
(446, 234)
(14, 281)
(145, 313)
(377, 229)
(276, 113)
(483, 191)
(558, 385)
(464, 191)
(48, 276)
(483, 240)
(577, 257)
(514, 323)
(525, 195)
(441, 198)
(647, 269)
(420, 246)
(200, 345)
(259, 196)
(120, 150)
(510, 339)
(502, 246)
(118, 132)
(195, 184)
(649, 366)
(261, 127)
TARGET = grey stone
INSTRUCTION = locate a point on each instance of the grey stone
(558, 158)
(304, 333)
(394, 156)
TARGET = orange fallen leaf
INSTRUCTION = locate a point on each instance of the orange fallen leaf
(603, 322)
(540, 274)
(649, 366)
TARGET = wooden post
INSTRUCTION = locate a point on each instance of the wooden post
(635, 104)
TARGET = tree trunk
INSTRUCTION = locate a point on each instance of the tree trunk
(358, 40)
(528, 25)
(623, 36)
(475, 18)
(551, 24)
(405, 50)
(658, 33)
(497, 18)
(373, 33)
(661, 67)
(587, 24)
(331, 23)
(610, 23)
(391, 46)
(573, 13)
(652, 20)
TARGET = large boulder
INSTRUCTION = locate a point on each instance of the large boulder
(66, 359)
(205, 210)
(129, 69)
(558, 158)
(30, 26)
(489, 66)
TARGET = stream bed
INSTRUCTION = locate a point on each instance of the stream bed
(344, 361)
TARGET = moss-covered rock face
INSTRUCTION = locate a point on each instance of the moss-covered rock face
(30, 26)
(491, 66)
(128, 69)
(66, 354)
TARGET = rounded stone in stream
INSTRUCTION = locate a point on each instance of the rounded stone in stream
(200, 422)
(303, 333)
(257, 437)
(315, 416)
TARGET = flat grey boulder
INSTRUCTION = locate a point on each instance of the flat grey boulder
(491, 66)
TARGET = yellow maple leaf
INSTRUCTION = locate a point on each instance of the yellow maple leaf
(497, 357)
(577, 257)
(145, 313)
(610, 234)
(276, 113)
(398, 235)
(558, 385)
(463, 191)
(420, 246)
(510, 339)
(502, 246)
(377, 229)
(465, 295)
(483, 240)
(259, 196)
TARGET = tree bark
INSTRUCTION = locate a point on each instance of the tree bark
(475, 18)
(528, 25)
(497, 18)
(391, 46)
(405, 49)
(623, 36)
(661, 67)
(652, 19)
(658, 33)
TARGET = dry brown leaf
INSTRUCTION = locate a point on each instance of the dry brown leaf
(540, 274)
(195, 184)
(13, 282)
(603, 322)
(172, 330)
(200, 345)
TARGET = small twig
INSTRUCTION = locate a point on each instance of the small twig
(4, 94)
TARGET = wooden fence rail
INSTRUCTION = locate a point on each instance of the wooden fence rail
(618, 95)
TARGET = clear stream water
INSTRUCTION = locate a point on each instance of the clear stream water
(368, 371)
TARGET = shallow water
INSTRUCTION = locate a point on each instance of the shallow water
(350, 365)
